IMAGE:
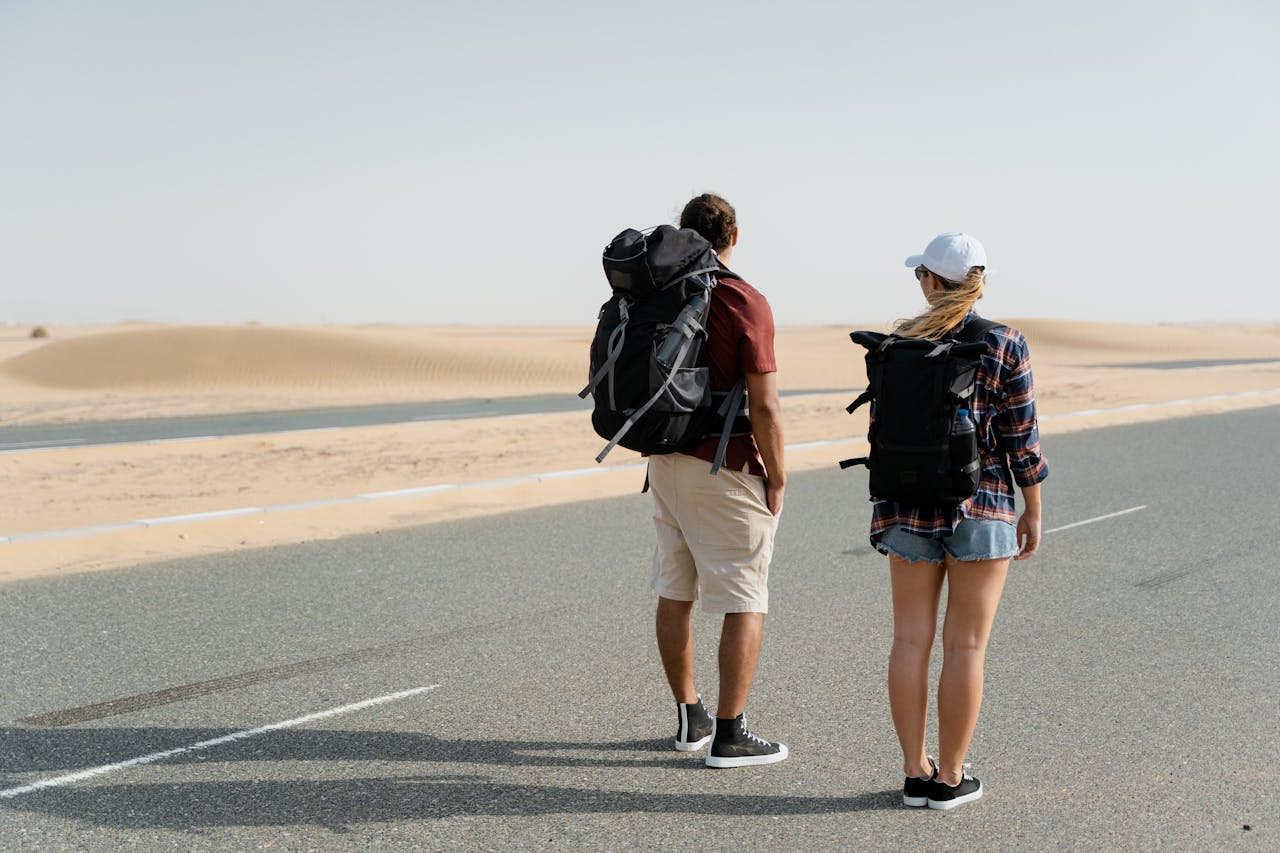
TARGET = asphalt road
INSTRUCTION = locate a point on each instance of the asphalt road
(1133, 699)
(26, 437)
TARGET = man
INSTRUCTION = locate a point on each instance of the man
(715, 533)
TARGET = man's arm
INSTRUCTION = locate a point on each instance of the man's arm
(766, 423)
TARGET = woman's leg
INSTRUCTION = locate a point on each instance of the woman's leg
(916, 589)
(973, 593)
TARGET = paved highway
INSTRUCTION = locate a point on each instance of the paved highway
(494, 683)
(27, 437)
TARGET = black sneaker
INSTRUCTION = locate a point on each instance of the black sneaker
(915, 790)
(694, 727)
(946, 797)
(735, 746)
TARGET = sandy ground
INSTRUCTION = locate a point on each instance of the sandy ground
(143, 370)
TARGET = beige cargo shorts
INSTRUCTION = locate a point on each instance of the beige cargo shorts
(715, 535)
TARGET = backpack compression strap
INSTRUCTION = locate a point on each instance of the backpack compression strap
(619, 336)
(635, 416)
(679, 359)
(731, 409)
(616, 339)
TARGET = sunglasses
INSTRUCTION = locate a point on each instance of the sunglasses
(921, 272)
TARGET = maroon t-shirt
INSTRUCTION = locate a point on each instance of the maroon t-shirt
(739, 341)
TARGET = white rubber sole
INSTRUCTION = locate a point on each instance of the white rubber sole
(692, 745)
(915, 802)
(748, 760)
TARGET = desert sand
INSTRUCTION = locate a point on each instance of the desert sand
(148, 370)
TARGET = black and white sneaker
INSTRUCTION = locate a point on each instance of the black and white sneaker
(735, 746)
(915, 790)
(946, 797)
(694, 726)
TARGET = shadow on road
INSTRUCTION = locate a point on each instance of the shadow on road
(337, 803)
(27, 750)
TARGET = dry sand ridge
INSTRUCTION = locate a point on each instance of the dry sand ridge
(146, 370)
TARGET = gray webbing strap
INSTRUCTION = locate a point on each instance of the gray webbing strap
(631, 421)
(616, 339)
(730, 410)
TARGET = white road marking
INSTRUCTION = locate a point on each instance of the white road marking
(1092, 520)
(69, 444)
(214, 515)
(52, 444)
(90, 772)
(424, 491)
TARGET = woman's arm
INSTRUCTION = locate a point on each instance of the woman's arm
(1029, 522)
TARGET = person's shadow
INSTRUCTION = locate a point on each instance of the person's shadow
(338, 803)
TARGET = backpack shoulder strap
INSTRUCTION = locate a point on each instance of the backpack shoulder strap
(724, 272)
(976, 329)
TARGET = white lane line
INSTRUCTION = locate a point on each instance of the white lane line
(421, 491)
(807, 445)
(418, 491)
(90, 772)
(178, 440)
(214, 515)
(36, 446)
(1092, 520)
(201, 516)
(74, 532)
(81, 444)
(51, 443)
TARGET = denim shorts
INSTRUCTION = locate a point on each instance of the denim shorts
(973, 539)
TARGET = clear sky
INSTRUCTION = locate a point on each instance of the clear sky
(441, 162)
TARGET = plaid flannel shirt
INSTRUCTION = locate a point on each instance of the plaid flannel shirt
(1004, 413)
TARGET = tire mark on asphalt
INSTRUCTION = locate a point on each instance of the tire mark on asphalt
(128, 704)
(1162, 579)
(1165, 578)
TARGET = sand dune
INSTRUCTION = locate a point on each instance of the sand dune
(162, 370)
(1058, 341)
(205, 358)
(439, 362)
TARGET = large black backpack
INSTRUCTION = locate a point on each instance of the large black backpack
(650, 380)
(924, 449)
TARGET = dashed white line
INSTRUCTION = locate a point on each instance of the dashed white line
(215, 515)
(1097, 518)
(51, 444)
(201, 516)
(69, 444)
(153, 757)
(423, 491)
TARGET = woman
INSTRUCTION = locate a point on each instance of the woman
(968, 546)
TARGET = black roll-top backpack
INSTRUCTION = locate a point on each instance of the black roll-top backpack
(650, 381)
(924, 448)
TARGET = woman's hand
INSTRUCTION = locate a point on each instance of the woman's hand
(1028, 534)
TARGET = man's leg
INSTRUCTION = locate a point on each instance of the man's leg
(674, 623)
(739, 651)
(734, 745)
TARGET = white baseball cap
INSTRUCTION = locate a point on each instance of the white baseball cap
(950, 255)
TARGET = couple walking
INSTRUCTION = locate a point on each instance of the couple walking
(715, 534)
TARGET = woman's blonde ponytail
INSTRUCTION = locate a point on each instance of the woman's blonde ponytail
(948, 307)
